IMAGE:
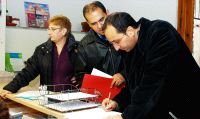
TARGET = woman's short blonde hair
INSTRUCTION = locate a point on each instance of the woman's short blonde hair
(61, 21)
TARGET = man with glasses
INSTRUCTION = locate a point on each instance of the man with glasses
(162, 75)
(52, 60)
(94, 50)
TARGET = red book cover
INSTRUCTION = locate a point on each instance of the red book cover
(31, 20)
(101, 85)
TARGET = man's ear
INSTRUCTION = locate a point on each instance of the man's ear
(130, 31)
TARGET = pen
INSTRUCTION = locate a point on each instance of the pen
(108, 101)
(109, 95)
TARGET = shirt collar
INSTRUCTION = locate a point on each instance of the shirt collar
(102, 37)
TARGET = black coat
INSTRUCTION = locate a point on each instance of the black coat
(94, 52)
(162, 76)
(40, 63)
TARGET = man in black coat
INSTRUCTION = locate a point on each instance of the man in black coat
(162, 75)
(94, 50)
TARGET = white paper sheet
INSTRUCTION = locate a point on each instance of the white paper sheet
(71, 105)
(97, 72)
(94, 113)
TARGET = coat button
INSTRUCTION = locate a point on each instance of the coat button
(47, 51)
(42, 47)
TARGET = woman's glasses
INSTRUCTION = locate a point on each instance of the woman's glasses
(53, 29)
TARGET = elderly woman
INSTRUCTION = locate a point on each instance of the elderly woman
(51, 60)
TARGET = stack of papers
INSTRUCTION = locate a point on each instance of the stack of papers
(71, 105)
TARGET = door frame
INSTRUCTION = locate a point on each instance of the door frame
(185, 21)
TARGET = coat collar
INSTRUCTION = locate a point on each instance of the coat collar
(97, 39)
(144, 25)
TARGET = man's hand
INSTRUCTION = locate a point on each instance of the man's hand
(109, 104)
(118, 79)
(4, 93)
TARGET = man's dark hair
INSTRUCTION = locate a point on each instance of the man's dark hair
(121, 21)
(92, 7)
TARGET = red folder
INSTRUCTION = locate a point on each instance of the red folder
(101, 85)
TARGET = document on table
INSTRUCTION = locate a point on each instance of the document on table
(31, 95)
(94, 113)
(71, 105)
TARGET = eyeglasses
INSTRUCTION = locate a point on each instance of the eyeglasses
(52, 29)
(117, 41)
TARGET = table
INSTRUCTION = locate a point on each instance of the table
(97, 113)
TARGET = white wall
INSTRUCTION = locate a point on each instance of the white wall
(196, 33)
(25, 40)
(196, 41)
(151, 9)
(2, 35)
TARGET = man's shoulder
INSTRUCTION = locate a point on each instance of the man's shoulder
(157, 23)
(161, 24)
(89, 38)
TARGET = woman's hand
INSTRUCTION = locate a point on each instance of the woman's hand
(4, 93)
